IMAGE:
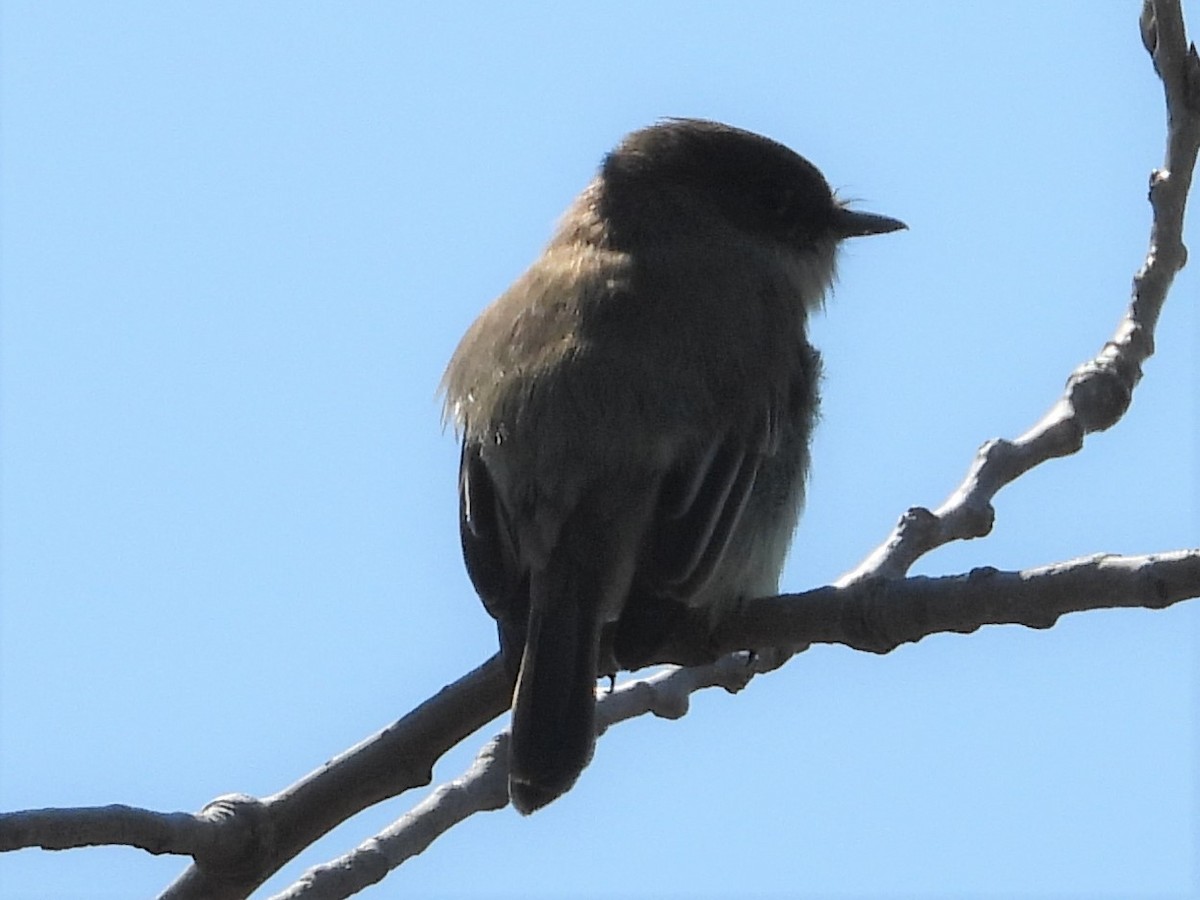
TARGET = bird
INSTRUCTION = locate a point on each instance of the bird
(635, 414)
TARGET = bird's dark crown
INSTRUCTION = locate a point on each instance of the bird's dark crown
(755, 183)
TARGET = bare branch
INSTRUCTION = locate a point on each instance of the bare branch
(1098, 392)
(63, 829)
(238, 841)
(876, 616)
(484, 786)
(872, 608)
(879, 615)
(396, 759)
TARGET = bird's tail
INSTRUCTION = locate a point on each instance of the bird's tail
(554, 709)
(583, 585)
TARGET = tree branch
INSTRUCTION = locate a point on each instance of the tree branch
(871, 607)
(1097, 393)
(238, 841)
(877, 615)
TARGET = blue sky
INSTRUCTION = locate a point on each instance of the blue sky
(239, 244)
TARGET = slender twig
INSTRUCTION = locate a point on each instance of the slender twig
(239, 841)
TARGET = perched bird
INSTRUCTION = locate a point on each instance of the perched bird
(635, 413)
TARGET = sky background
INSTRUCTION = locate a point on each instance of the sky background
(239, 243)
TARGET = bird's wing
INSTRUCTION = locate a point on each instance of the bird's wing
(490, 553)
(700, 503)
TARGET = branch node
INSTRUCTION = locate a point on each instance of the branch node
(996, 452)
(664, 704)
(868, 619)
(966, 521)
(917, 524)
(1159, 179)
(244, 837)
(1100, 392)
(982, 573)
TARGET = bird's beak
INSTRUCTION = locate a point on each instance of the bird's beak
(848, 223)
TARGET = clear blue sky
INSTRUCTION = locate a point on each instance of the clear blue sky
(240, 241)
